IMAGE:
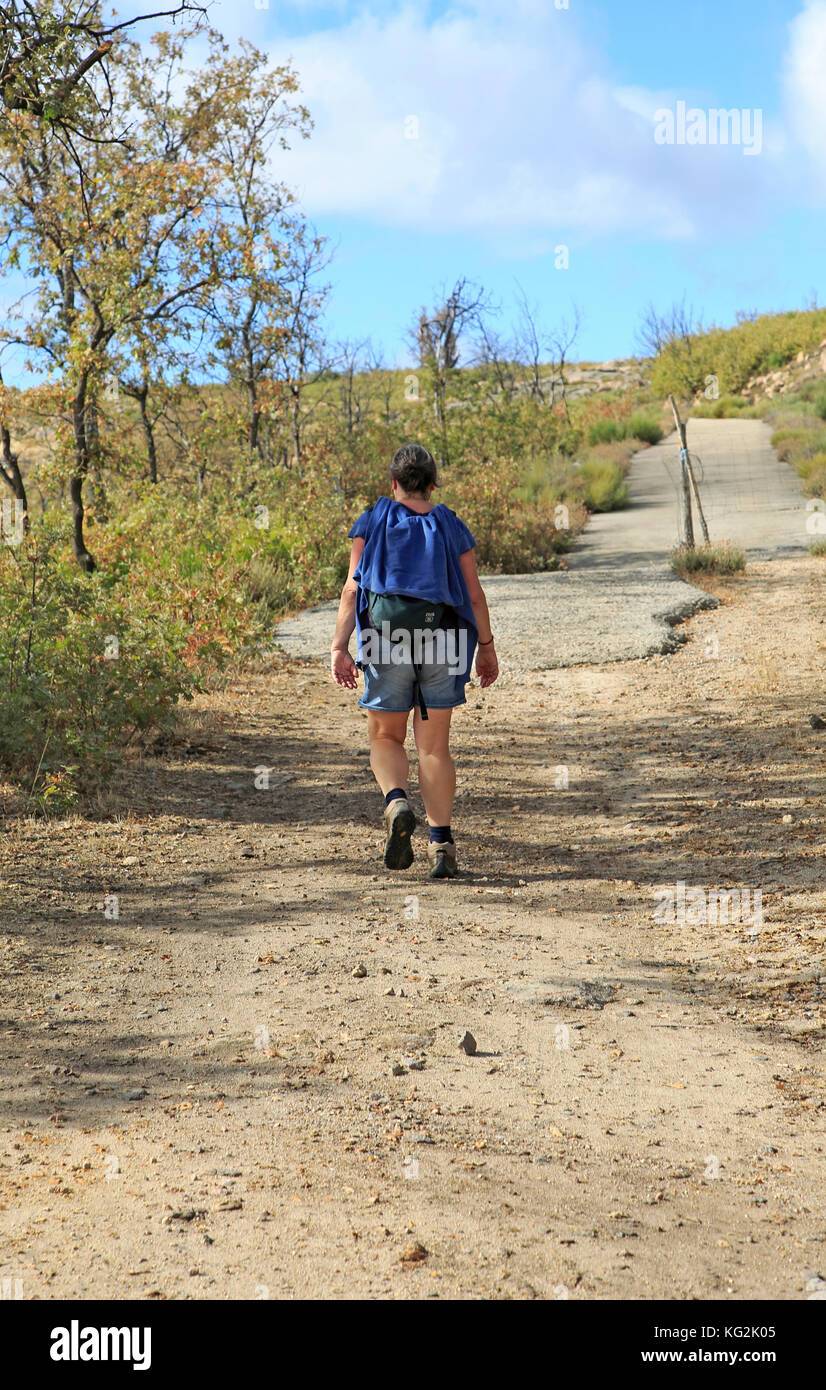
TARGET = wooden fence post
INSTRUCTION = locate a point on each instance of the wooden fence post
(696, 492)
(686, 523)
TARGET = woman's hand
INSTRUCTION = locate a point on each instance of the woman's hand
(487, 667)
(343, 667)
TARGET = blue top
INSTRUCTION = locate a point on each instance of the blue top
(413, 553)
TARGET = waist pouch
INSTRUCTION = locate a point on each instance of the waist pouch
(406, 615)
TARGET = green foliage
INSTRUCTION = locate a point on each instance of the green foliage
(606, 431)
(605, 487)
(814, 480)
(786, 441)
(637, 426)
(518, 530)
(819, 403)
(809, 464)
(646, 428)
(708, 559)
(86, 664)
(725, 407)
(733, 355)
(800, 439)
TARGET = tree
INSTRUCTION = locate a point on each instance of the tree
(116, 243)
(658, 331)
(354, 382)
(437, 335)
(497, 355)
(531, 346)
(383, 378)
(50, 55)
(671, 339)
(9, 460)
(562, 340)
(162, 246)
(301, 358)
(240, 111)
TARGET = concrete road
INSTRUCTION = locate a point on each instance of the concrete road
(749, 497)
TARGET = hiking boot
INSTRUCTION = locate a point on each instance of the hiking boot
(400, 823)
(442, 860)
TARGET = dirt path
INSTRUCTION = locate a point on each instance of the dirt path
(206, 1096)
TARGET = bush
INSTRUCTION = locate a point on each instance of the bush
(725, 407)
(708, 559)
(791, 443)
(606, 431)
(809, 464)
(605, 487)
(819, 403)
(646, 428)
(521, 530)
(814, 479)
(86, 663)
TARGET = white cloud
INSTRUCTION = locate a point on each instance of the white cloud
(803, 79)
(520, 129)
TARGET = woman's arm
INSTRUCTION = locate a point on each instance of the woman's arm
(342, 665)
(487, 666)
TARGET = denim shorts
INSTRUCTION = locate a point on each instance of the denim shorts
(389, 687)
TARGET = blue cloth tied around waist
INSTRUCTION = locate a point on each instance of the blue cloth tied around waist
(417, 554)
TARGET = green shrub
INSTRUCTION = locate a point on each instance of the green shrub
(723, 558)
(809, 464)
(517, 534)
(545, 481)
(725, 407)
(790, 443)
(605, 487)
(606, 431)
(645, 427)
(87, 662)
(814, 478)
(819, 402)
(794, 432)
(806, 391)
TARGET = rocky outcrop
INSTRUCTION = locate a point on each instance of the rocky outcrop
(804, 367)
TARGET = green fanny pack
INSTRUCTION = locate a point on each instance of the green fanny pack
(406, 615)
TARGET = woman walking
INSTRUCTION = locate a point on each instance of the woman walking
(414, 596)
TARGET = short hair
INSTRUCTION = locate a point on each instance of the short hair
(413, 468)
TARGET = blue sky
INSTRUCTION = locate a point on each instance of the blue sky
(536, 129)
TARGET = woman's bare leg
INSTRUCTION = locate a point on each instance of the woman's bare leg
(388, 758)
(437, 773)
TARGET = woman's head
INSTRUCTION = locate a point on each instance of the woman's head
(414, 470)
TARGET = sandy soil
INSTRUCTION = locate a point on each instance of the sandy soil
(247, 1084)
